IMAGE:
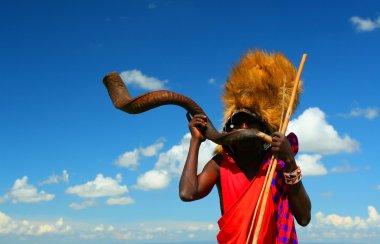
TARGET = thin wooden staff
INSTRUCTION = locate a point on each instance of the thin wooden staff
(273, 161)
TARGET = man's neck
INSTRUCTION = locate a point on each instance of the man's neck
(249, 161)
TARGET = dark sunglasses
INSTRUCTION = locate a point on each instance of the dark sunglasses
(246, 117)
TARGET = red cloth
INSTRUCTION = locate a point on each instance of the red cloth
(240, 197)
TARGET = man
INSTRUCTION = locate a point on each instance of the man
(239, 170)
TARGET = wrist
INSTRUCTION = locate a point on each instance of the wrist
(290, 165)
(196, 140)
(293, 177)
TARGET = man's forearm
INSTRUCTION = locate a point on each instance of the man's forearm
(300, 203)
(188, 185)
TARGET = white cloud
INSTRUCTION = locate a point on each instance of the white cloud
(151, 150)
(153, 180)
(171, 162)
(31, 228)
(130, 160)
(316, 135)
(55, 179)
(373, 217)
(58, 226)
(161, 230)
(100, 187)
(166, 230)
(99, 228)
(311, 164)
(6, 224)
(342, 229)
(212, 81)
(135, 77)
(368, 113)
(378, 187)
(119, 178)
(347, 168)
(210, 227)
(120, 201)
(365, 24)
(82, 205)
(348, 222)
(23, 192)
(174, 159)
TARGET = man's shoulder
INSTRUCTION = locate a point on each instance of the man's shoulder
(217, 158)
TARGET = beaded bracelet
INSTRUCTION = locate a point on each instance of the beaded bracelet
(293, 177)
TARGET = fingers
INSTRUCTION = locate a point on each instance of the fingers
(277, 139)
(197, 126)
(199, 120)
(277, 135)
(280, 145)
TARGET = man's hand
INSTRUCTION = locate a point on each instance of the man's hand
(196, 124)
(282, 150)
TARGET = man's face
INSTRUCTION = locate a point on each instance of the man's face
(244, 120)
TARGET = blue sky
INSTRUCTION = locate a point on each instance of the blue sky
(76, 170)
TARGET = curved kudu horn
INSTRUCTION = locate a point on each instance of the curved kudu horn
(122, 100)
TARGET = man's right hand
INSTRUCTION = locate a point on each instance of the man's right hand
(196, 124)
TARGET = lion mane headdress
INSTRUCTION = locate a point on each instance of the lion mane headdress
(262, 83)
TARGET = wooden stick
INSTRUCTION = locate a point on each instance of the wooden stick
(258, 201)
(273, 159)
(295, 87)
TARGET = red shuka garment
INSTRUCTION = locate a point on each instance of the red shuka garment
(240, 197)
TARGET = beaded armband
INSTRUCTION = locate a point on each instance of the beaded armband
(293, 177)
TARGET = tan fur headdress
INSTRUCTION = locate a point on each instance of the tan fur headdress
(262, 83)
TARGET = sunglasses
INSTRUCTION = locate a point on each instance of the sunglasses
(247, 118)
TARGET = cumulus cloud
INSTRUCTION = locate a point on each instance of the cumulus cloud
(55, 179)
(26, 193)
(135, 231)
(6, 224)
(174, 159)
(348, 222)
(82, 205)
(153, 180)
(151, 150)
(166, 230)
(31, 228)
(135, 77)
(120, 201)
(365, 25)
(130, 159)
(316, 135)
(311, 164)
(342, 229)
(100, 187)
(171, 162)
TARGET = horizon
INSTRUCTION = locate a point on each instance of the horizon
(77, 170)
